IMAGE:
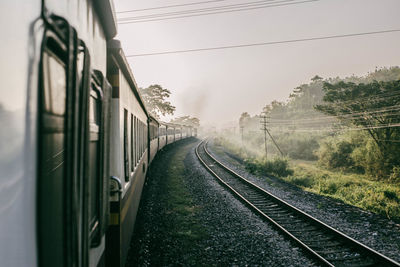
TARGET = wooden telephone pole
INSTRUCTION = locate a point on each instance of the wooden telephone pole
(264, 123)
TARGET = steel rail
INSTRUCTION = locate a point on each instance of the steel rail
(322, 227)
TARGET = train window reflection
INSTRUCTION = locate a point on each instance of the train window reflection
(54, 80)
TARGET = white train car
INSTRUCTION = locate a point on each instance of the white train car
(162, 135)
(128, 153)
(178, 132)
(53, 102)
(153, 141)
(170, 133)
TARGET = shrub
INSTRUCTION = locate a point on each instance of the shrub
(277, 166)
(395, 175)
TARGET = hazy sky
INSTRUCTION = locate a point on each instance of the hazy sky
(217, 86)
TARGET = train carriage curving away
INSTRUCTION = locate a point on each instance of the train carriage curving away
(162, 138)
(153, 137)
(128, 153)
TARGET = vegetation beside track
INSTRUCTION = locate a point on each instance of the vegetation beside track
(378, 196)
(181, 209)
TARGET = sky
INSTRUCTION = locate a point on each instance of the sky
(218, 85)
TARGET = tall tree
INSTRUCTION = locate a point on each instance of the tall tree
(244, 119)
(373, 107)
(187, 120)
(154, 98)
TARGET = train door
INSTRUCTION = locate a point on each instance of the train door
(58, 221)
(72, 200)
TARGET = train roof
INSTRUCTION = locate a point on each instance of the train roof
(105, 10)
(115, 49)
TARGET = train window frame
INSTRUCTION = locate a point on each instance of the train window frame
(52, 123)
(132, 145)
(126, 146)
(95, 135)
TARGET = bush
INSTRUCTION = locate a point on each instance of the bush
(277, 167)
(395, 175)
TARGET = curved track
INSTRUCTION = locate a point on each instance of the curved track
(325, 244)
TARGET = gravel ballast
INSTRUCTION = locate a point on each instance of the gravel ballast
(234, 236)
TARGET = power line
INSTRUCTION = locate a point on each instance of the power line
(217, 12)
(208, 9)
(264, 43)
(162, 7)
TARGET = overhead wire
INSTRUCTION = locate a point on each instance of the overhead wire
(208, 9)
(217, 12)
(265, 43)
(169, 6)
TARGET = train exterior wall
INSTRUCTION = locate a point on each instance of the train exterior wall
(22, 35)
(162, 141)
(153, 149)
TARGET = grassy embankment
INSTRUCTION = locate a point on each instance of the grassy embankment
(381, 197)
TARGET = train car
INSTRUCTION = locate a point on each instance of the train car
(184, 131)
(53, 111)
(162, 135)
(178, 132)
(190, 131)
(170, 133)
(153, 140)
(128, 153)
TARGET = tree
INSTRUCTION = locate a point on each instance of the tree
(155, 101)
(244, 119)
(373, 107)
(187, 120)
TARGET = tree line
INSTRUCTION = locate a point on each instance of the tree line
(351, 124)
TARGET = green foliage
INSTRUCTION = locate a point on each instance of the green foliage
(373, 107)
(277, 167)
(155, 101)
(336, 154)
(395, 175)
(299, 145)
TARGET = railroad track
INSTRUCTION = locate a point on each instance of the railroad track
(325, 244)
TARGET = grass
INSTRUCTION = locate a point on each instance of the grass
(181, 210)
(358, 190)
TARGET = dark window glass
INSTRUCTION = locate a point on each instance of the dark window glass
(94, 159)
(132, 145)
(126, 153)
(51, 160)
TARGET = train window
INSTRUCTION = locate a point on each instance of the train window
(95, 100)
(126, 153)
(132, 152)
(54, 79)
(134, 140)
(140, 139)
(52, 159)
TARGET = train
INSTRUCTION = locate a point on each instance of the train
(76, 138)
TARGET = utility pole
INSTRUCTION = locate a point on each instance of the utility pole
(264, 123)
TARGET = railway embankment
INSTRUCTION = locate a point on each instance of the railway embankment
(187, 218)
(370, 229)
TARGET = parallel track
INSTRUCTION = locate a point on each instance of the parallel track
(325, 244)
